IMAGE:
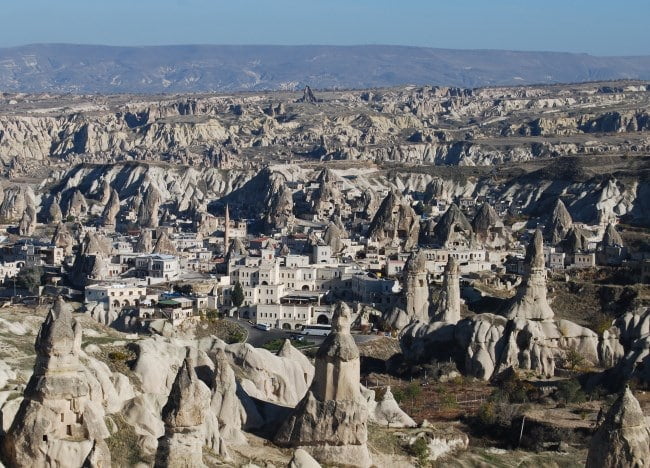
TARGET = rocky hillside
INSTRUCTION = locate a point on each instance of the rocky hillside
(409, 125)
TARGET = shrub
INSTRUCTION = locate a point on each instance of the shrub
(573, 359)
(117, 356)
(420, 450)
(487, 414)
(235, 336)
(570, 391)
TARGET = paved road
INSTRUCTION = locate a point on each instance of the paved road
(258, 337)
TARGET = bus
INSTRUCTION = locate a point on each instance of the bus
(316, 330)
(263, 326)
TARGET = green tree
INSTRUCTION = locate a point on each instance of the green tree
(237, 295)
(29, 278)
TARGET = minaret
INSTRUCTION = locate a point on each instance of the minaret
(226, 230)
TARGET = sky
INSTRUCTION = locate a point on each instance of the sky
(597, 27)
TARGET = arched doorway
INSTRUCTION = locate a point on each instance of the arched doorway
(286, 326)
(322, 320)
(298, 326)
(305, 287)
(116, 303)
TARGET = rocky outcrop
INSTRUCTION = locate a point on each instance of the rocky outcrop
(558, 224)
(452, 229)
(27, 224)
(279, 211)
(54, 214)
(386, 411)
(449, 307)
(530, 301)
(164, 245)
(416, 287)
(334, 235)
(57, 423)
(395, 223)
(111, 210)
(63, 238)
(331, 420)
(184, 415)
(77, 206)
(225, 404)
(489, 229)
(328, 199)
(15, 201)
(623, 439)
(611, 237)
(148, 211)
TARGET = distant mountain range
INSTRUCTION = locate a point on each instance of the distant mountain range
(202, 68)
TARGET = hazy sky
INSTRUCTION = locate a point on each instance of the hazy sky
(594, 26)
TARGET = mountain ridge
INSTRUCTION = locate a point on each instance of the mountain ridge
(79, 68)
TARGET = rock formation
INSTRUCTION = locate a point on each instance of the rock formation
(111, 210)
(489, 229)
(77, 205)
(148, 211)
(449, 306)
(395, 222)
(57, 423)
(184, 416)
(331, 420)
(611, 237)
(164, 245)
(225, 404)
(333, 236)
(575, 241)
(328, 198)
(145, 242)
(54, 214)
(279, 212)
(63, 238)
(559, 224)
(15, 201)
(452, 229)
(416, 287)
(530, 301)
(308, 96)
(27, 223)
(623, 439)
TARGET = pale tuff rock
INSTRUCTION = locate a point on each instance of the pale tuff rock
(91, 261)
(611, 237)
(328, 199)
(283, 379)
(184, 416)
(623, 439)
(54, 214)
(308, 96)
(416, 287)
(452, 229)
(331, 420)
(279, 212)
(27, 223)
(489, 229)
(111, 210)
(15, 201)
(57, 423)
(225, 403)
(148, 210)
(575, 241)
(77, 205)
(530, 301)
(302, 459)
(395, 222)
(145, 242)
(333, 236)
(164, 245)
(558, 225)
(370, 204)
(386, 411)
(449, 306)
